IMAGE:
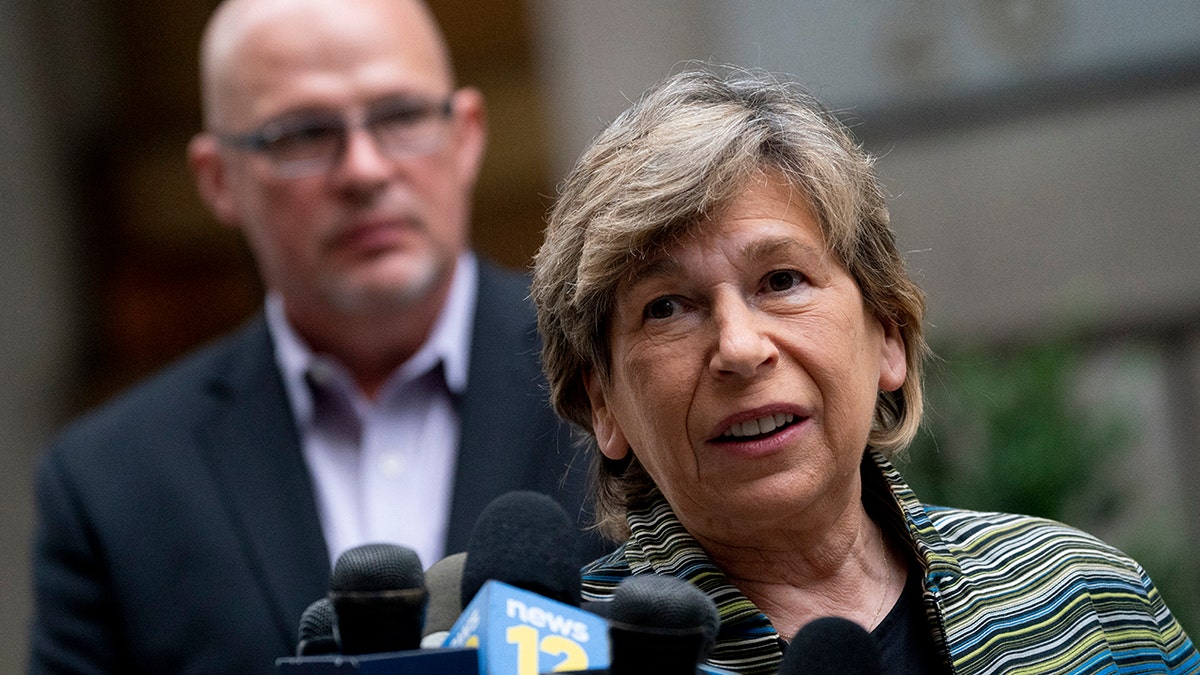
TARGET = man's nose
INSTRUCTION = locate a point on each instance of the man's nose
(362, 160)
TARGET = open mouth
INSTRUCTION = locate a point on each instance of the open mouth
(758, 428)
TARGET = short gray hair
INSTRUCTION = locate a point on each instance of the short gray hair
(683, 151)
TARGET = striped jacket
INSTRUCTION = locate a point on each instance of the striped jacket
(1003, 593)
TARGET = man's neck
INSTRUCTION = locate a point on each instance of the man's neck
(371, 345)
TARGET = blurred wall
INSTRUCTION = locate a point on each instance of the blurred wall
(1040, 154)
(38, 303)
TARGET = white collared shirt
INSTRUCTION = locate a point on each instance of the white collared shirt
(383, 470)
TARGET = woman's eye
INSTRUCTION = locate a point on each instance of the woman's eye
(662, 308)
(782, 280)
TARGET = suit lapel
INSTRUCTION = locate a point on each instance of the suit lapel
(498, 445)
(253, 450)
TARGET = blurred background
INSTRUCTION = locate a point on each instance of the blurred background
(1041, 156)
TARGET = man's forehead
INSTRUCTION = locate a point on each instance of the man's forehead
(325, 31)
(255, 46)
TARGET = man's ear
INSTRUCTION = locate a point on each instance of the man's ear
(470, 133)
(609, 436)
(212, 178)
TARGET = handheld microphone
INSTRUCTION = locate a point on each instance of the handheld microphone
(524, 539)
(443, 579)
(316, 630)
(378, 596)
(660, 625)
(831, 646)
(521, 588)
(519, 632)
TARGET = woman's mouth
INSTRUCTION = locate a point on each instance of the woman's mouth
(754, 428)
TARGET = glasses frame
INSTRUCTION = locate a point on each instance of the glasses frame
(260, 140)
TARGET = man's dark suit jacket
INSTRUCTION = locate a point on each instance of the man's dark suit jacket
(178, 531)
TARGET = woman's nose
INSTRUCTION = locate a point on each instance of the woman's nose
(743, 346)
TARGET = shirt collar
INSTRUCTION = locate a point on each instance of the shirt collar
(449, 343)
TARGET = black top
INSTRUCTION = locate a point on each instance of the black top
(905, 637)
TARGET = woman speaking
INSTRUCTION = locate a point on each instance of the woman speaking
(725, 312)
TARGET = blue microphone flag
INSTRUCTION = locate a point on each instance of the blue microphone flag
(518, 632)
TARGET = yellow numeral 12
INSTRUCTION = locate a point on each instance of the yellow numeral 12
(528, 648)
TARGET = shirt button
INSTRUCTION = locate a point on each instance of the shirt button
(322, 373)
(392, 466)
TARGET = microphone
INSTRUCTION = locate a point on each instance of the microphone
(521, 588)
(518, 632)
(378, 596)
(831, 646)
(443, 579)
(661, 625)
(316, 630)
(524, 539)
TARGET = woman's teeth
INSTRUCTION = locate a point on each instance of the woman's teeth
(759, 426)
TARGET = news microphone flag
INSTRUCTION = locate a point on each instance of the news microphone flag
(518, 632)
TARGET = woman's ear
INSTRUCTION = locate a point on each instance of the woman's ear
(605, 426)
(893, 363)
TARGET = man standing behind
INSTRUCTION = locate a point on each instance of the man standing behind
(388, 392)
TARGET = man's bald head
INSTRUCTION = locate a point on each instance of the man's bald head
(241, 29)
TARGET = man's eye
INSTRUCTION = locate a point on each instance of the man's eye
(303, 139)
(400, 115)
(306, 134)
(662, 308)
(783, 280)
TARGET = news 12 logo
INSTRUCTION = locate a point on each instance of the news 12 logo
(522, 633)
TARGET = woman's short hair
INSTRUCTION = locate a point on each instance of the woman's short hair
(670, 162)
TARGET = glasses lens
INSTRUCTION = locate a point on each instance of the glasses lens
(312, 142)
(304, 144)
(405, 128)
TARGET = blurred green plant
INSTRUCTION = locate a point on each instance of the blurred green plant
(1004, 431)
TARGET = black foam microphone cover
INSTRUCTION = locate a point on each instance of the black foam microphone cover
(660, 624)
(524, 539)
(831, 646)
(378, 596)
(316, 630)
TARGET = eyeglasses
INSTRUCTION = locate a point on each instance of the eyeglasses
(311, 142)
